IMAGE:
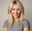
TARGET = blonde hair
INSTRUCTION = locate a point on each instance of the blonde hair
(10, 18)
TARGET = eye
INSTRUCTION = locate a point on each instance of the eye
(13, 9)
(18, 9)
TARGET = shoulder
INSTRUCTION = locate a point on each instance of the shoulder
(26, 23)
(5, 23)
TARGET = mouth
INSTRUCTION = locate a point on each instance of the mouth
(15, 14)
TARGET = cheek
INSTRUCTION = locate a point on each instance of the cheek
(18, 12)
(13, 12)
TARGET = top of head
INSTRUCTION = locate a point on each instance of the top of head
(15, 0)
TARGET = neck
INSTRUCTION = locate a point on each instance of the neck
(16, 20)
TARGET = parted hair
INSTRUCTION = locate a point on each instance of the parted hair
(10, 17)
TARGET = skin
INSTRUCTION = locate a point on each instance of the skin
(15, 14)
(15, 11)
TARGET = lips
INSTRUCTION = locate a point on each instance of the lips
(16, 14)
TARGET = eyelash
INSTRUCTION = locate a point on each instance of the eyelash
(13, 9)
(18, 9)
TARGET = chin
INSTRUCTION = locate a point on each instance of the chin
(15, 16)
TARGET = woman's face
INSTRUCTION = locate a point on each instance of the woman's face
(16, 11)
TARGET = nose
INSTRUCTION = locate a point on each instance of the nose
(15, 11)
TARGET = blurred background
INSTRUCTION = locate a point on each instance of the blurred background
(4, 11)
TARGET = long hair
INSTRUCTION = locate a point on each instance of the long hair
(10, 17)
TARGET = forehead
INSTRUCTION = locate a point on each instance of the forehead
(16, 6)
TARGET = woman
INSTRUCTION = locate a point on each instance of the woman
(15, 20)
